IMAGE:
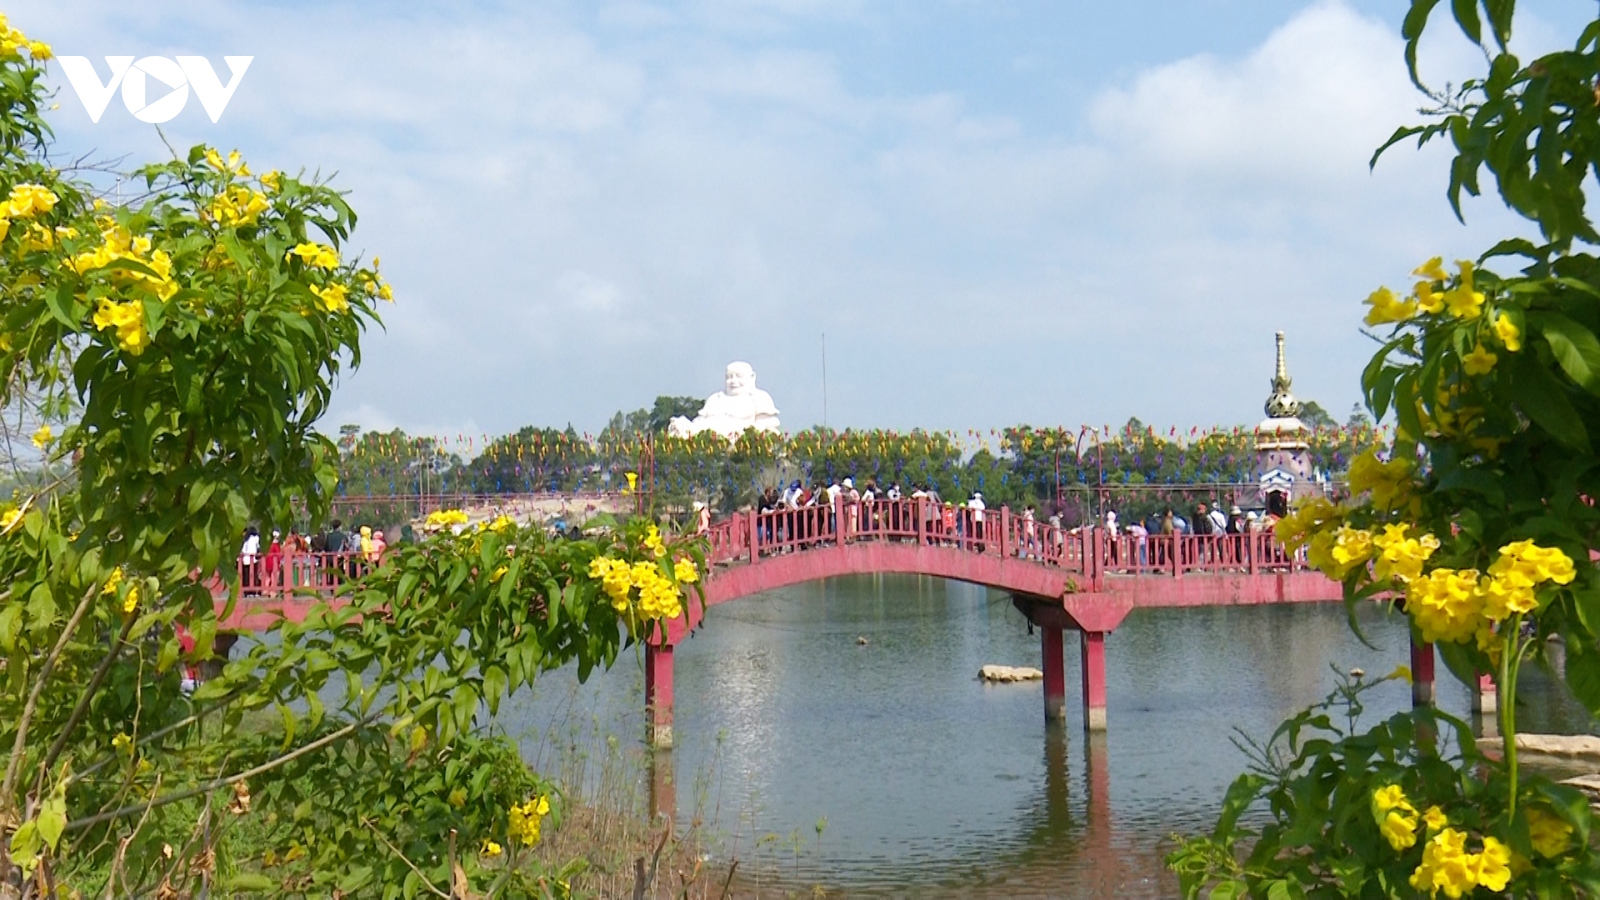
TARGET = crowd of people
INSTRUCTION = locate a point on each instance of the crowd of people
(302, 560)
(798, 516)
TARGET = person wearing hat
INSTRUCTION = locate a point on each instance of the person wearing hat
(975, 508)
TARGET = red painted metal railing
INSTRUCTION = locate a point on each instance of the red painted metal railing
(751, 536)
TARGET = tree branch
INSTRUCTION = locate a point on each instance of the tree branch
(317, 744)
(17, 746)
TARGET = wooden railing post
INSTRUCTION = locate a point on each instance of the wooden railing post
(1177, 554)
(1251, 538)
(754, 535)
(921, 512)
(1005, 531)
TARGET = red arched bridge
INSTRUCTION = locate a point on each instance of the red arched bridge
(1084, 580)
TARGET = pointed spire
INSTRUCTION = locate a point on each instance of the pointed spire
(1282, 404)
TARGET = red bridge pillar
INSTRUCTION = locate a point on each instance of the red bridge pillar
(1055, 673)
(1422, 689)
(658, 693)
(1094, 680)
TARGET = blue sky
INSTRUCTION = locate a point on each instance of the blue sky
(998, 212)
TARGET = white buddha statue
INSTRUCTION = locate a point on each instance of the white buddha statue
(728, 412)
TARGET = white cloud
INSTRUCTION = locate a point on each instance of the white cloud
(579, 215)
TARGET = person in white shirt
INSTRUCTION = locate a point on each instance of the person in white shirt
(976, 507)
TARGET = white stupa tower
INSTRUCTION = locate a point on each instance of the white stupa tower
(1283, 457)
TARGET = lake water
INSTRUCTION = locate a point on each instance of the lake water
(934, 784)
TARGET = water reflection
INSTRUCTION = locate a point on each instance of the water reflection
(936, 784)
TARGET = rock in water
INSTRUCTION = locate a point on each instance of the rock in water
(1009, 673)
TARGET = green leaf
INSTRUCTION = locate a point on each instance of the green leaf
(1574, 346)
(1466, 13)
(53, 820)
(1411, 29)
(1543, 398)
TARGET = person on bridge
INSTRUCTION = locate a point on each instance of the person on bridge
(975, 507)
(274, 560)
(250, 562)
(336, 539)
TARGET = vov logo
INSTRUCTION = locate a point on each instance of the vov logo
(134, 78)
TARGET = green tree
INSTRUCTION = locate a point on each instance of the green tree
(183, 349)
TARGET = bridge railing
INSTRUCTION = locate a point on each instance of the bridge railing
(296, 573)
(752, 535)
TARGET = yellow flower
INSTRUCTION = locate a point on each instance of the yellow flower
(1434, 819)
(1508, 332)
(1479, 362)
(1403, 672)
(652, 542)
(457, 798)
(128, 320)
(445, 518)
(9, 520)
(1390, 797)
(1389, 481)
(1398, 829)
(270, 180)
(1400, 556)
(1432, 270)
(526, 817)
(1463, 303)
(500, 524)
(333, 297)
(122, 742)
(318, 256)
(1533, 564)
(1446, 605)
(1386, 307)
(238, 206)
(1429, 300)
(1551, 836)
(131, 601)
(489, 848)
(1445, 866)
(43, 437)
(1490, 866)
(385, 292)
(28, 200)
(683, 569)
(40, 51)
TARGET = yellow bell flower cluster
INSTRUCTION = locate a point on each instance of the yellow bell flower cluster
(43, 436)
(1446, 604)
(128, 320)
(113, 582)
(652, 542)
(9, 519)
(38, 237)
(334, 298)
(1400, 555)
(1396, 817)
(1458, 604)
(13, 42)
(1337, 553)
(1447, 866)
(237, 206)
(1463, 301)
(500, 524)
(117, 242)
(1388, 482)
(445, 518)
(233, 163)
(317, 256)
(658, 594)
(683, 570)
(1309, 517)
(526, 818)
(1551, 836)
(25, 201)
